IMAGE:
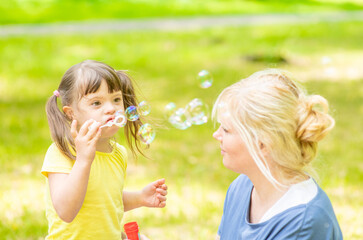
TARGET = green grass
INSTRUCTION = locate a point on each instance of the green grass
(165, 65)
(40, 11)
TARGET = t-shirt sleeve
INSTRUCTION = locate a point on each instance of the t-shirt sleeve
(56, 162)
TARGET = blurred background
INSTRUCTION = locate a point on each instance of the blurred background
(41, 39)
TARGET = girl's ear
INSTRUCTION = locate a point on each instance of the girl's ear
(68, 111)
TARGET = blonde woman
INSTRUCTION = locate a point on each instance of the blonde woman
(269, 132)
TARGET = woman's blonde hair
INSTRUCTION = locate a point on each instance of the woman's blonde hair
(269, 108)
(82, 79)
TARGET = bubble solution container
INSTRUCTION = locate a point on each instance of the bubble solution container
(132, 231)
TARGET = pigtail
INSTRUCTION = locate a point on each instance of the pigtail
(130, 99)
(59, 126)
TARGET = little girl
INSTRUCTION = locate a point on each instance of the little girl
(85, 169)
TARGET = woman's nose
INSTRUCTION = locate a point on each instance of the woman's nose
(216, 135)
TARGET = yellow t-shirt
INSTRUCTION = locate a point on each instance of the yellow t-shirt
(101, 213)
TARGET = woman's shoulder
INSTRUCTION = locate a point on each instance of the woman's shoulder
(320, 219)
(239, 188)
(241, 180)
(320, 204)
(320, 207)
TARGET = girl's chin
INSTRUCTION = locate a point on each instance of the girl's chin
(109, 131)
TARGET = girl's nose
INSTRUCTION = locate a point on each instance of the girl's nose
(110, 108)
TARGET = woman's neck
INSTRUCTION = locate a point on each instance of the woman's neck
(264, 195)
(103, 145)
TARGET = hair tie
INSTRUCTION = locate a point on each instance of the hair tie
(56, 93)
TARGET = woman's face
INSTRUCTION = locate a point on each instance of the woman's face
(236, 156)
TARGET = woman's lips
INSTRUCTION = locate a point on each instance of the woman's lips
(222, 151)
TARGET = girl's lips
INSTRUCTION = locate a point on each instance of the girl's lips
(109, 120)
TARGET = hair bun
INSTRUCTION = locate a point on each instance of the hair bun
(313, 123)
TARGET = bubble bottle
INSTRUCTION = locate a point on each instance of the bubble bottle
(132, 231)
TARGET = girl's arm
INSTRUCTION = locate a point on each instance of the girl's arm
(153, 195)
(68, 191)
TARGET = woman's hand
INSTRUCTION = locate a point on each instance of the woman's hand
(86, 139)
(154, 194)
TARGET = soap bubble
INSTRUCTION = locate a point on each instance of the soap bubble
(197, 112)
(205, 79)
(179, 120)
(169, 110)
(131, 113)
(144, 108)
(146, 133)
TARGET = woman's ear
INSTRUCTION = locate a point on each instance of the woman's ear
(263, 149)
(68, 111)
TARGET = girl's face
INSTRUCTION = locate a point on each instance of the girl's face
(100, 106)
(236, 156)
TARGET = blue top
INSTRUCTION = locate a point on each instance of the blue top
(314, 220)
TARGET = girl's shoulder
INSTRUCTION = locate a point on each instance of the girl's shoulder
(119, 150)
(56, 161)
(54, 152)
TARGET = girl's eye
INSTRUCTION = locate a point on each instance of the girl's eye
(117, 99)
(96, 103)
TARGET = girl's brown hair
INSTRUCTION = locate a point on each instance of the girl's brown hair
(82, 79)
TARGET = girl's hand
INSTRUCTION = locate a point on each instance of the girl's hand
(154, 194)
(142, 237)
(86, 139)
